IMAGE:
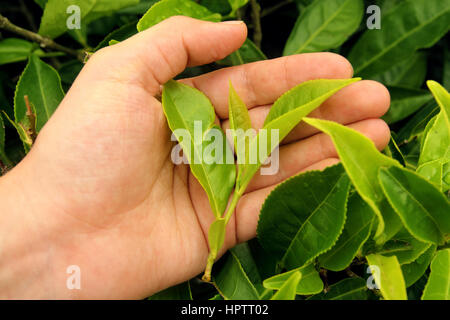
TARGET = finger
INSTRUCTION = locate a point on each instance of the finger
(296, 156)
(158, 54)
(359, 101)
(249, 207)
(262, 82)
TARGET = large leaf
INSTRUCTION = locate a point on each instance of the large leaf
(412, 25)
(361, 160)
(324, 25)
(304, 216)
(53, 23)
(41, 83)
(168, 8)
(389, 278)
(404, 102)
(286, 113)
(409, 73)
(288, 289)
(310, 281)
(423, 209)
(434, 161)
(414, 270)
(347, 289)
(181, 291)
(356, 231)
(185, 108)
(438, 286)
(237, 278)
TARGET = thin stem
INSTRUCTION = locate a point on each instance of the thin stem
(274, 8)
(44, 42)
(256, 18)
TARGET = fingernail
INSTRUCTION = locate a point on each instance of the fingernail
(233, 22)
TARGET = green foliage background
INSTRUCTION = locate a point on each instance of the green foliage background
(319, 231)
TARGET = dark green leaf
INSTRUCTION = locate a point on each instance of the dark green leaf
(405, 102)
(414, 270)
(324, 25)
(247, 53)
(356, 231)
(347, 289)
(304, 216)
(423, 209)
(178, 292)
(412, 25)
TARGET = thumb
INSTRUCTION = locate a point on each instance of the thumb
(158, 54)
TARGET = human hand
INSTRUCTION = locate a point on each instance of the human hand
(99, 190)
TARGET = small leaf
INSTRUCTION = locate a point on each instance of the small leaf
(236, 5)
(287, 290)
(438, 286)
(42, 84)
(347, 289)
(216, 236)
(414, 270)
(121, 34)
(240, 123)
(167, 8)
(247, 53)
(390, 278)
(304, 216)
(181, 291)
(361, 160)
(185, 107)
(434, 161)
(403, 31)
(310, 281)
(409, 73)
(356, 232)
(14, 50)
(423, 209)
(324, 25)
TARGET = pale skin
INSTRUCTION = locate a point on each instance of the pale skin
(99, 190)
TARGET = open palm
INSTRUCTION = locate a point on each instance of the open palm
(110, 199)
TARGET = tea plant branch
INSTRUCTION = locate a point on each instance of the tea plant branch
(44, 42)
(256, 17)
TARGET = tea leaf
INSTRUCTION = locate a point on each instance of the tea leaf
(247, 53)
(409, 73)
(53, 23)
(434, 161)
(390, 278)
(185, 106)
(356, 232)
(310, 281)
(168, 8)
(414, 270)
(287, 290)
(347, 289)
(304, 216)
(14, 50)
(42, 84)
(324, 25)
(232, 280)
(361, 160)
(410, 26)
(423, 209)
(286, 113)
(438, 286)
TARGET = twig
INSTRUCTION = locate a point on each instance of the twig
(256, 17)
(44, 42)
(274, 8)
(32, 119)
